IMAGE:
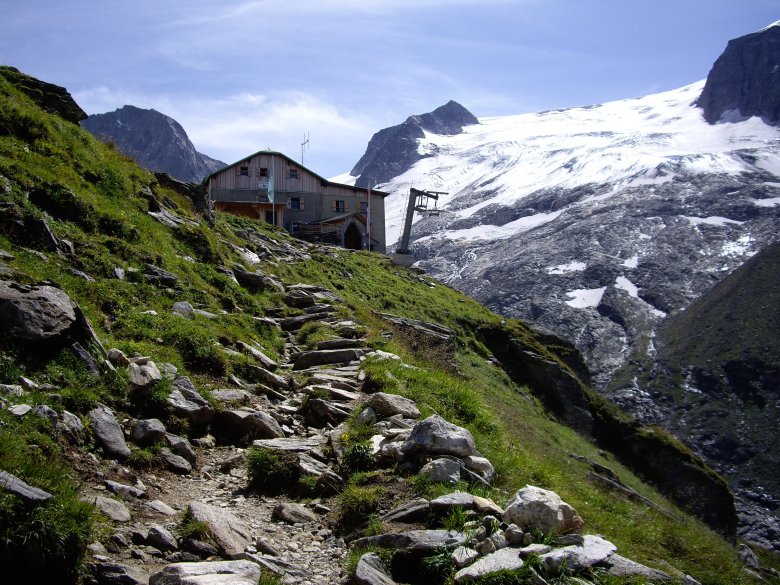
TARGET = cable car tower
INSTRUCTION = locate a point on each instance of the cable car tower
(424, 202)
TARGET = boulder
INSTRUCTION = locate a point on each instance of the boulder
(187, 403)
(258, 374)
(228, 532)
(253, 281)
(174, 462)
(626, 568)
(111, 573)
(122, 489)
(310, 359)
(292, 513)
(114, 509)
(161, 507)
(181, 447)
(481, 466)
(534, 507)
(371, 571)
(161, 539)
(143, 375)
(158, 276)
(246, 424)
(219, 572)
(436, 436)
(12, 484)
(506, 559)
(413, 511)
(463, 556)
(107, 432)
(424, 542)
(147, 431)
(593, 551)
(32, 314)
(441, 471)
(386, 405)
(267, 362)
(72, 426)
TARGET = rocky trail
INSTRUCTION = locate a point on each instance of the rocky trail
(198, 514)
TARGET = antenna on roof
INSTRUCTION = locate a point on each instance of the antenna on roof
(304, 145)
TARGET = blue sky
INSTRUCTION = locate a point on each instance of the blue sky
(243, 75)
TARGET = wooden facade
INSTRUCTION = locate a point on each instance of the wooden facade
(304, 202)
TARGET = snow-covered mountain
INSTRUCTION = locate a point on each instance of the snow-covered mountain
(597, 222)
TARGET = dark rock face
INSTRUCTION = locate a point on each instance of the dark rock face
(745, 78)
(393, 151)
(31, 314)
(155, 140)
(52, 98)
(717, 376)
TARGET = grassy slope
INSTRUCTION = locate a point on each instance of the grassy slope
(43, 153)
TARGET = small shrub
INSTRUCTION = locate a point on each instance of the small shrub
(143, 458)
(191, 528)
(356, 504)
(454, 520)
(271, 471)
(357, 457)
(269, 578)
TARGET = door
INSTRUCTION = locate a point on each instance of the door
(353, 239)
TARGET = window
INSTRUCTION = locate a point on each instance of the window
(243, 171)
(364, 207)
(293, 173)
(263, 172)
(339, 205)
(296, 204)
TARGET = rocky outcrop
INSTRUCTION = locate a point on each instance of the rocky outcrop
(393, 151)
(31, 314)
(745, 80)
(51, 98)
(155, 140)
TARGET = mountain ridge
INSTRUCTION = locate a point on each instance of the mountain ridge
(156, 141)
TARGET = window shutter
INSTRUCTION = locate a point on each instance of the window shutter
(333, 205)
(301, 203)
(289, 203)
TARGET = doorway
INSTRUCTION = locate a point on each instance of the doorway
(353, 239)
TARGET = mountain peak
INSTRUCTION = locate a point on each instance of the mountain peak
(745, 80)
(156, 141)
(393, 151)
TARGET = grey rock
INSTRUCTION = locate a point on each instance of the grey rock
(113, 573)
(114, 509)
(593, 551)
(188, 403)
(486, 547)
(246, 424)
(309, 359)
(371, 571)
(514, 535)
(253, 281)
(436, 436)
(143, 376)
(47, 413)
(367, 416)
(174, 462)
(107, 432)
(118, 357)
(266, 361)
(161, 507)
(146, 432)
(258, 374)
(32, 314)
(229, 533)
(481, 466)
(412, 511)
(441, 471)
(534, 507)
(415, 541)
(160, 538)
(626, 568)
(292, 513)
(20, 410)
(12, 484)
(72, 426)
(463, 556)
(219, 572)
(504, 559)
(534, 549)
(122, 489)
(386, 405)
(158, 276)
(230, 397)
(181, 447)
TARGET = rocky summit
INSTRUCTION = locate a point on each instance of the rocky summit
(156, 141)
(599, 224)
